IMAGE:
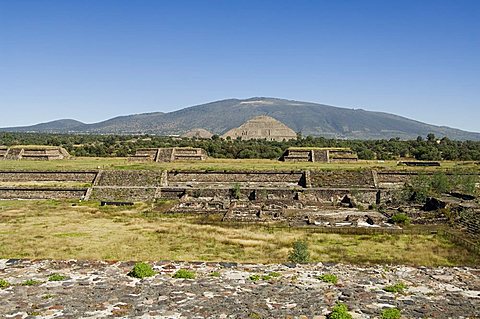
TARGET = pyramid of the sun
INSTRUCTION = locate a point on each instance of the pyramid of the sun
(262, 127)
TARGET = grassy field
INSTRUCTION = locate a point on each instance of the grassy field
(67, 229)
(94, 163)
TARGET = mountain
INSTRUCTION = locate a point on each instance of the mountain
(220, 116)
(56, 126)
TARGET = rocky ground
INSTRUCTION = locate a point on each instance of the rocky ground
(95, 289)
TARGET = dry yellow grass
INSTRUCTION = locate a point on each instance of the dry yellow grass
(58, 230)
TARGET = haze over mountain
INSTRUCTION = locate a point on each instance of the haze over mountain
(221, 116)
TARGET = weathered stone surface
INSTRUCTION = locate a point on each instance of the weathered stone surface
(103, 289)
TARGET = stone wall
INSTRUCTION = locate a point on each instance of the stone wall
(41, 193)
(344, 178)
(164, 155)
(12, 176)
(137, 194)
(320, 156)
(3, 152)
(182, 178)
(142, 178)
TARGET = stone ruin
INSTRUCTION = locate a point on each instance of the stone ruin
(198, 133)
(325, 155)
(170, 154)
(3, 151)
(333, 198)
(262, 127)
(42, 153)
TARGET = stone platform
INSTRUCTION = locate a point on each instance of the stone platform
(97, 289)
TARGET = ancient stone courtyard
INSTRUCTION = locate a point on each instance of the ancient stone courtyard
(228, 290)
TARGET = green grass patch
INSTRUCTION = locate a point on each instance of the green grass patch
(254, 277)
(391, 313)
(57, 277)
(184, 274)
(4, 284)
(329, 278)
(396, 288)
(142, 270)
(31, 282)
(339, 311)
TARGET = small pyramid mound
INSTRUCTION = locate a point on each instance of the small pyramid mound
(198, 133)
(262, 127)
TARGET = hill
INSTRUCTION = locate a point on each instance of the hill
(221, 116)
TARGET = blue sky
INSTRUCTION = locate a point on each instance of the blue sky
(91, 60)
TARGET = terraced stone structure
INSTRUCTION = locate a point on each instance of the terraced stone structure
(262, 127)
(322, 197)
(170, 154)
(198, 133)
(43, 153)
(3, 151)
(326, 155)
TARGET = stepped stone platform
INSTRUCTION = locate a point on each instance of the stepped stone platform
(170, 154)
(42, 153)
(96, 289)
(326, 155)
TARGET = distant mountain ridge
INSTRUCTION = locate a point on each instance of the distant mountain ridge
(220, 116)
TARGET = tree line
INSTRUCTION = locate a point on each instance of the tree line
(428, 148)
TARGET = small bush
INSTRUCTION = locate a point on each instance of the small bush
(31, 282)
(254, 277)
(215, 274)
(236, 191)
(4, 283)
(397, 288)
(400, 218)
(300, 253)
(266, 277)
(391, 313)
(57, 277)
(141, 270)
(339, 311)
(330, 278)
(184, 274)
(274, 274)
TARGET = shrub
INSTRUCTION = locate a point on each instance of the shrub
(300, 253)
(236, 191)
(254, 277)
(31, 282)
(330, 278)
(397, 288)
(391, 313)
(215, 274)
(141, 270)
(400, 218)
(339, 311)
(184, 274)
(57, 277)
(4, 283)
(274, 274)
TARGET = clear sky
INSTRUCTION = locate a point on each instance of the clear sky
(95, 59)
